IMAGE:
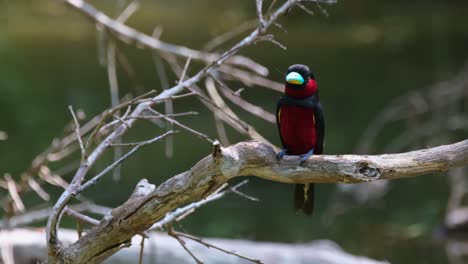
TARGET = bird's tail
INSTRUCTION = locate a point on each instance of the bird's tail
(304, 198)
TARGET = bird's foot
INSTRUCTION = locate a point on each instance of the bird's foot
(305, 156)
(281, 154)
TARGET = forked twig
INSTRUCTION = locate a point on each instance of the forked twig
(77, 131)
(175, 235)
(142, 247)
(208, 245)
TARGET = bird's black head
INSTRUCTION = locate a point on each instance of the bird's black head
(299, 75)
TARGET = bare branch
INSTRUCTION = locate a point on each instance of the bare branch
(219, 40)
(77, 131)
(271, 38)
(114, 94)
(81, 217)
(117, 162)
(69, 193)
(168, 105)
(139, 143)
(133, 36)
(221, 130)
(182, 212)
(251, 79)
(206, 244)
(168, 98)
(128, 11)
(41, 214)
(175, 235)
(307, 10)
(184, 72)
(255, 110)
(142, 247)
(322, 9)
(38, 189)
(11, 185)
(259, 4)
(177, 123)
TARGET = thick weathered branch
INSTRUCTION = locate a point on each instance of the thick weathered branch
(253, 159)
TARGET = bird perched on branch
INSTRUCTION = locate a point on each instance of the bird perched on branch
(301, 126)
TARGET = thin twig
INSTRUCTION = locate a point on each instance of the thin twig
(307, 10)
(208, 245)
(169, 98)
(177, 123)
(272, 4)
(96, 178)
(233, 121)
(132, 36)
(77, 131)
(81, 217)
(253, 109)
(142, 247)
(182, 212)
(168, 104)
(221, 130)
(184, 72)
(33, 216)
(109, 113)
(135, 143)
(79, 228)
(171, 232)
(114, 94)
(271, 38)
(322, 9)
(259, 4)
(38, 189)
(250, 79)
(128, 11)
(147, 117)
(219, 40)
(14, 192)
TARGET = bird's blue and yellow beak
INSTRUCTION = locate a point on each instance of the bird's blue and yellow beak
(294, 78)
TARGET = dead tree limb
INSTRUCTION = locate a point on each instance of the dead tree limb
(251, 159)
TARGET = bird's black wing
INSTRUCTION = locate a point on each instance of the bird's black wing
(278, 115)
(320, 128)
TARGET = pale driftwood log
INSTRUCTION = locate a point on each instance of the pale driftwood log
(251, 159)
(28, 247)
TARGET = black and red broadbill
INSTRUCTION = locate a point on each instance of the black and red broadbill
(301, 126)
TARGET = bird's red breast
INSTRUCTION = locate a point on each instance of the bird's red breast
(297, 124)
(307, 91)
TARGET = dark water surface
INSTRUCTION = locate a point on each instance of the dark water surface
(364, 54)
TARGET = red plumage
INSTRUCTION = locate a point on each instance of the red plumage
(297, 124)
(301, 126)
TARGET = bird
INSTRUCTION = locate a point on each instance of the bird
(301, 126)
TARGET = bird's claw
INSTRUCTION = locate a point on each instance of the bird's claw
(303, 158)
(281, 154)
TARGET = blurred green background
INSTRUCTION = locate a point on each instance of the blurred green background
(364, 54)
